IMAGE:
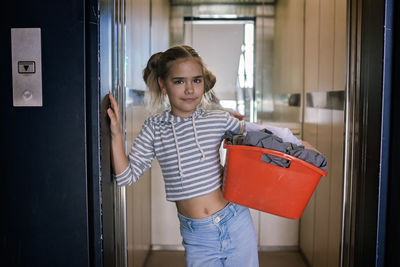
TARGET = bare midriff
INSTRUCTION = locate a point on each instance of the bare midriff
(201, 207)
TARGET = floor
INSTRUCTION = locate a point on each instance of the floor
(162, 258)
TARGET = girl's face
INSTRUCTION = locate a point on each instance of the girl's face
(184, 86)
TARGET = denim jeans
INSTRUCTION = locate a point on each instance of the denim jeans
(226, 238)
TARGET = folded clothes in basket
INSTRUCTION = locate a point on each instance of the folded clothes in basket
(267, 139)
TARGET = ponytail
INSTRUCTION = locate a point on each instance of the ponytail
(209, 80)
(150, 77)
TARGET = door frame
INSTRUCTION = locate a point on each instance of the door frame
(364, 197)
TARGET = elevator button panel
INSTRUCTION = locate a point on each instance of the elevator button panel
(26, 56)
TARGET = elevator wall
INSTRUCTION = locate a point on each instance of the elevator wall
(137, 196)
(146, 33)
(323, 127)
(307, 42)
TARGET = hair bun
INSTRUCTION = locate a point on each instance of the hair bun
(151, 65)
(209, 80)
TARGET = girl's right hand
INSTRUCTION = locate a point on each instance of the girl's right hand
(114, 115)
(119, 160)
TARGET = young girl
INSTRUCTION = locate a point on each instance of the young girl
(186, 140)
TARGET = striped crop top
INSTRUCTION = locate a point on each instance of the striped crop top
(186, 148)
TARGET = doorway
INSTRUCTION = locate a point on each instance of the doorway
(299, 66)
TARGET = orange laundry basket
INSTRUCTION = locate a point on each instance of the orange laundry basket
(250, 182)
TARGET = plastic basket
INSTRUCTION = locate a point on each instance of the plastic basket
(250, 182)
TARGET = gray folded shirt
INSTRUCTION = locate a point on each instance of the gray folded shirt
(266, 139)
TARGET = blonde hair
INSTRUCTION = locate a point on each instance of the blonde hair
(159, 66)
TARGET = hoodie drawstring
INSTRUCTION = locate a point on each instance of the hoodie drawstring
(203, 156)
(177, 151)
(179, 155)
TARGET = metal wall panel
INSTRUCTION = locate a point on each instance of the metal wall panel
(323, 127)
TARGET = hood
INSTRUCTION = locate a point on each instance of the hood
(167, 116)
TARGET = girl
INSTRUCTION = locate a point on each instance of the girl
(186, 140)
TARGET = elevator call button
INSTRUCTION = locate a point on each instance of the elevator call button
(26, 67)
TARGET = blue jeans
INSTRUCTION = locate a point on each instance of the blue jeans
(226, 238)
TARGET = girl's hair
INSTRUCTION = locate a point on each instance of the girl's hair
(159, 65)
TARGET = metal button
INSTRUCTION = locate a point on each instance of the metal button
(27, 95)
(217, 219)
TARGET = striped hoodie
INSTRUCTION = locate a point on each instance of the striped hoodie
(186, 148)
